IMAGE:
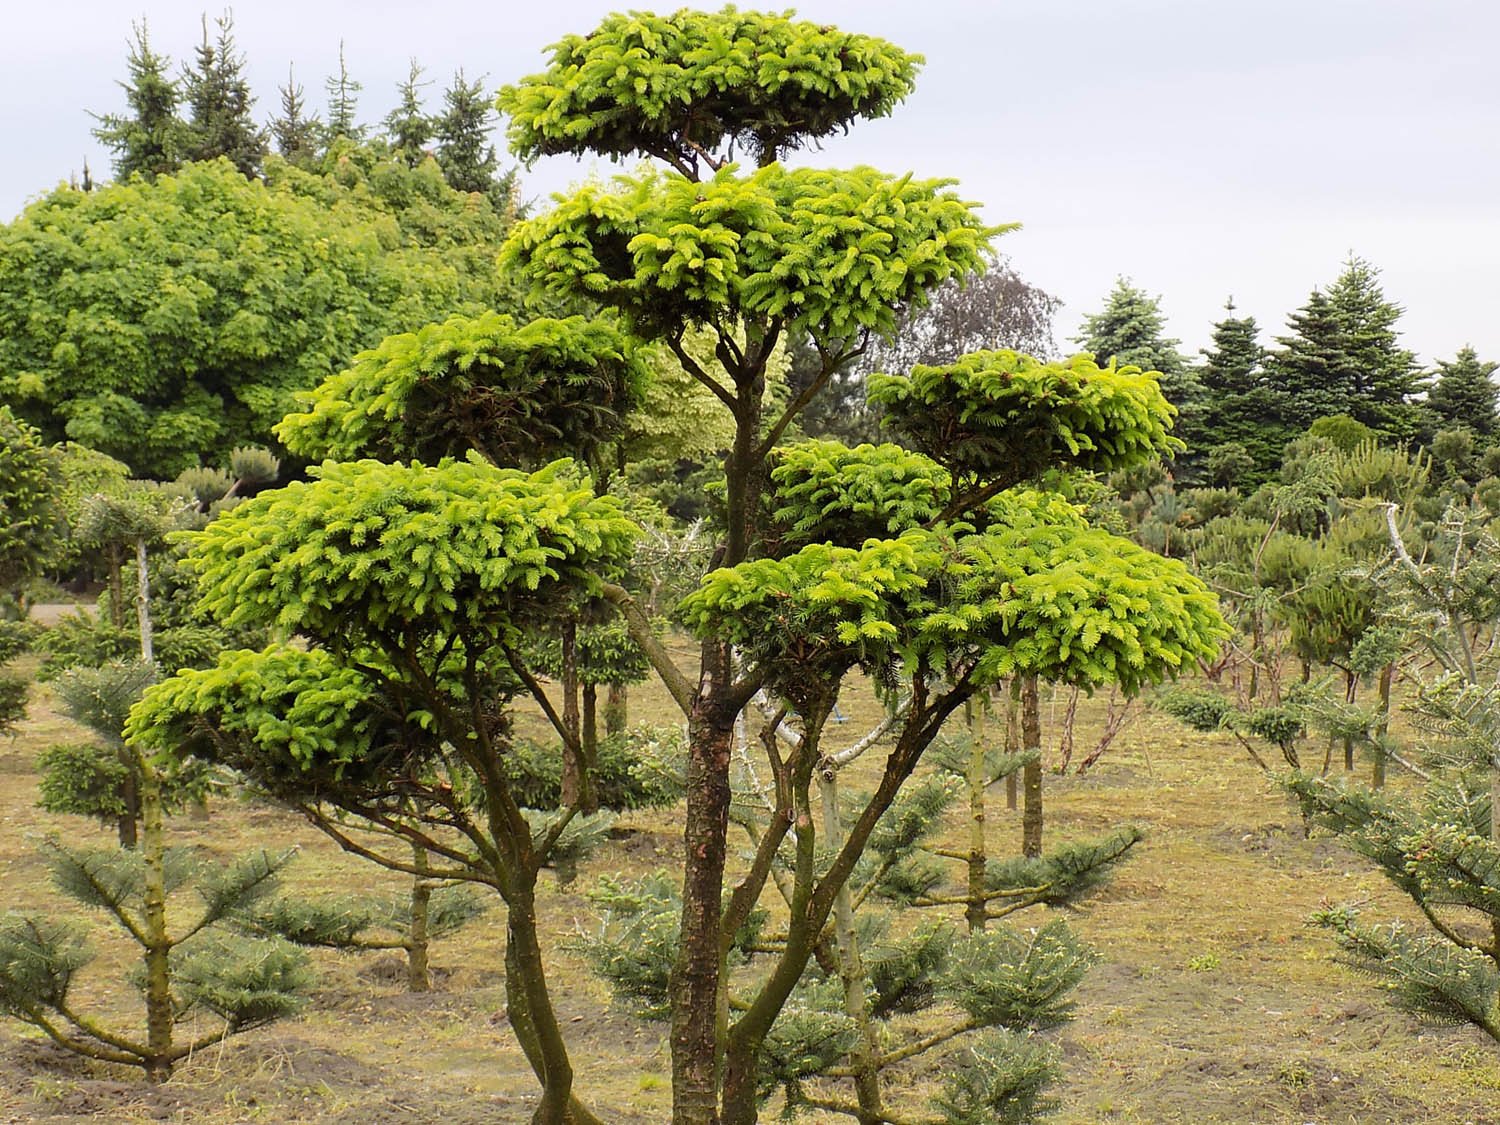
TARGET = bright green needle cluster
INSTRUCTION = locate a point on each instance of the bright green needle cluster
(686, 85)
(367, 547)
(515, 392)
(835, 253)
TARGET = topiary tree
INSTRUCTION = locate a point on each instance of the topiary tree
(945, 604)
(752, 257)
(391, 725)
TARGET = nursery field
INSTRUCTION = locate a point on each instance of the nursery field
(1213, 1000)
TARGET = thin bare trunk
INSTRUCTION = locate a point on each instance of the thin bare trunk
(697, 972)
(1031, 740)
(143, 603)
(975, 912)
(617, 709)
(1012, 740)
(575, 778)
(159, 1013)
(589, 743)
(417, 978)
(1065, 741)
(864, 1060)
(1382, 725)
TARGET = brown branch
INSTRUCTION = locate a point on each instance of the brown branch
(691, 366)
(639, 628)
(534, 686)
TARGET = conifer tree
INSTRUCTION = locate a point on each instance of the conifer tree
(219, 100)
(343, 104)
(1238, 410)
(1131, 330)
(295, 134)
(149, 139)
(462, 132)
(1343, 356)
(408, 128)
(1464, 394)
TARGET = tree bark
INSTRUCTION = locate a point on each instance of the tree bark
(975, 912)
(865, 1058)
(1382, 726)
(532, 1017)
(159, 1015)
(575, 778)
(617, 709)
(589, 744)
(697, 971)
(1031, 740)
(1012, 741)
(143, 604)
(417, 977)
(128, 821)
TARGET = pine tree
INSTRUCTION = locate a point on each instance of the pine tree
(1465, 395)
(295, 134)
(1343, 357)
(408, 128)
(463, 131)
(219, 100)
(1239, 410)
(1306, 373)
(1131, 330)
(149, 139)
(343, 104)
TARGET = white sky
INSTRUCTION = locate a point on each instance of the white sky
(1201, 147)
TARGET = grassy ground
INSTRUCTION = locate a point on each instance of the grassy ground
(1213, 1000)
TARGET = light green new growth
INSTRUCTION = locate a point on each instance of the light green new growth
(689, 86)
(835, 253)
(513, 392)
(1002, 416)
(462, 546)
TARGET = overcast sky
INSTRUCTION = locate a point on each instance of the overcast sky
(1202, 148)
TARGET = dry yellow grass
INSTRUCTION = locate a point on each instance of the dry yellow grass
(1213, 1001)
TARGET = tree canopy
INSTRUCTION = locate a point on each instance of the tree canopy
(691, 87)
(165, 323)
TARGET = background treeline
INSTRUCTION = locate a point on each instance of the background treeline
(161, 339)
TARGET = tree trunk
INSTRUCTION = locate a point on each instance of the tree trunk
(617, 709)
(1382, 725)
(1012, 740)
(143, 604)
(1351, 683)
(417, 978)
(127, 822)
(975, 912)
(529, 1008)
(696, 973)
(589, 742)
(1031, 740)
(865, 1058)
(1065, 741)
(575, 777)
(115, 556)
(159, 1015)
